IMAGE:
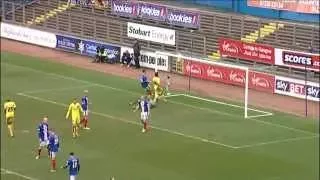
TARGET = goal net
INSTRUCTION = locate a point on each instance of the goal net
(212, 82)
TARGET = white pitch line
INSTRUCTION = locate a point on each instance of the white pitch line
(133, 93)
(134, 123)
(261, 115)
(58, 89)
(277, 141)
(223, 103)
(6, 171)
(174, 95)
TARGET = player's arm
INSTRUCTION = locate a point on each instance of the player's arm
(66, 165)
(136, 106)
(68, 112)
(38, 129)
(78, 165)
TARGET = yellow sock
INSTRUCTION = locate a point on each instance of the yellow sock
(77, 131)
(73, 131)
(10, 129)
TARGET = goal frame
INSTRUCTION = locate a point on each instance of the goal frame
(245, 69)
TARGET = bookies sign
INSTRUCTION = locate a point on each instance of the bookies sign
(298, 60)
(87, 47)
(182, 18)
(150, 59)
(297, 88)
(151, 33)
(156, 12)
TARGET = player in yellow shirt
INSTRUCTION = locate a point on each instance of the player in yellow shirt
(156, 85)
(76, 110)
(9, 111)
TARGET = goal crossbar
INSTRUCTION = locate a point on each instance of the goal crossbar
(245, 69)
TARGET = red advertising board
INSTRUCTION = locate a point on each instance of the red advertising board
(246, 51)
(302, 6)
(228, 75)
(261, 81)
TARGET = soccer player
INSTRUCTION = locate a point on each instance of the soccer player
(168, 83)
(73, 164)
(144, 80)
(156, 85)
(53, 147)
(145, 112)
(85, 108)
(76, 110)
(9, 111)
(43, 135)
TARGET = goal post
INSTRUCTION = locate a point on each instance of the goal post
(192, 67)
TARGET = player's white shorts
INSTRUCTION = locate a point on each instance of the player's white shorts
(72, 177)
(144, 116)
(43, 143)
(86, 113)
(53, 155)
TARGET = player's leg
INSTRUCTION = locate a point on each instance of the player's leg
(10, 126)
(144, 121)
(42, 144)
(72, 177)
(77, 126)
(86, 118)
(74, 125)
(53, 161)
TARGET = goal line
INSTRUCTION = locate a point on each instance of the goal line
(260, 113)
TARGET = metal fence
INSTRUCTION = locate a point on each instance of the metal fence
(102, 25)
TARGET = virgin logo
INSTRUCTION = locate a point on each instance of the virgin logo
(213, 72)
(230, 47)
(260, 82)
(194, 69)
(236, 77)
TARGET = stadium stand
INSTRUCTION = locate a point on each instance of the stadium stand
(101, 24)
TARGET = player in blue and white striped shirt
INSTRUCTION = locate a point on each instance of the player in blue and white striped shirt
(53, 147)
(73, 164)
(145, 107)
(85, 108)
(43, 135)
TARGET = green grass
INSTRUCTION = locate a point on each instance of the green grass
(191, 139)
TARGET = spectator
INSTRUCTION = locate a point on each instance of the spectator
(126, 58)
(103, 55)
(136, 53)
(98, 55)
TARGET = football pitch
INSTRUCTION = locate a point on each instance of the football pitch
(191, 138)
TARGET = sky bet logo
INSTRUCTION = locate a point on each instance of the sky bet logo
(296, 59)
(313, 91)
(282, 85)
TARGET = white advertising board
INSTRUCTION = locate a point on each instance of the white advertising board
(151, 33)
(151, 59)
(298, 60)
(297, 88)
(28, 35)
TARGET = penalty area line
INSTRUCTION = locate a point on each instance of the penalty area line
(8, 172)
(278, 141)
(57, 89)
(133, 122)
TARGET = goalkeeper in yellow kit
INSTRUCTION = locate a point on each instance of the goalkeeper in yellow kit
(76, 110)
(9, 109)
